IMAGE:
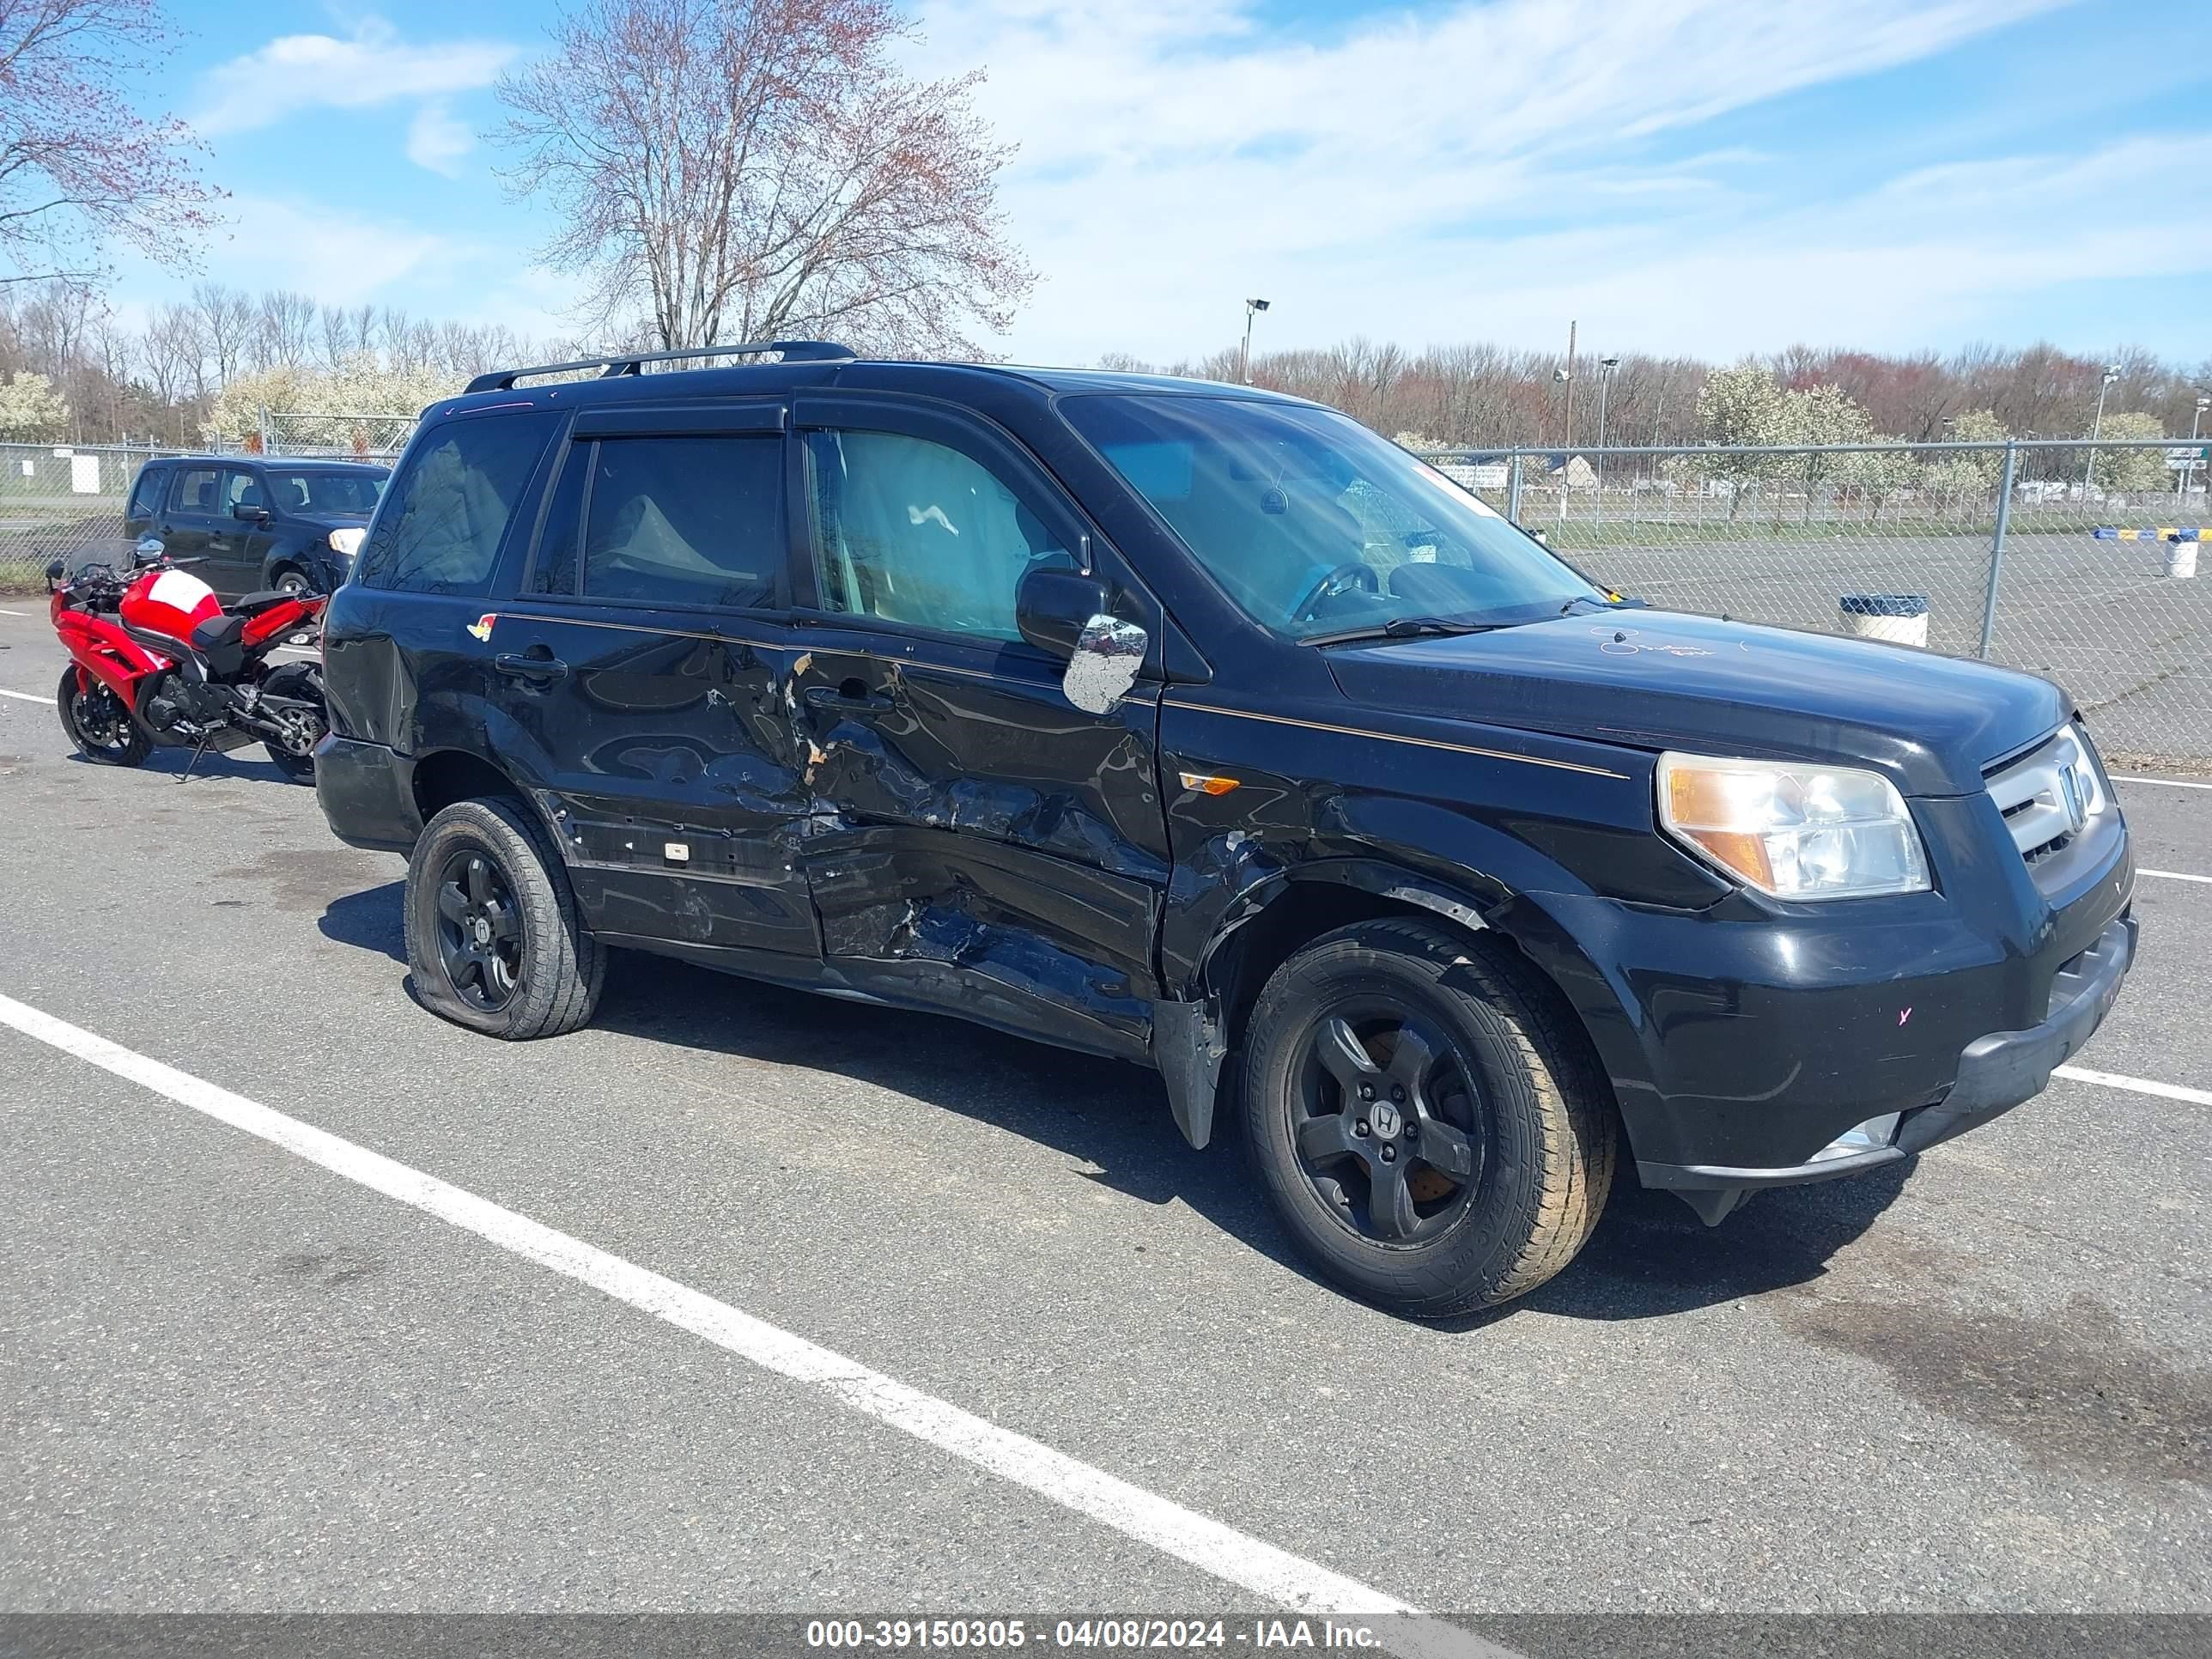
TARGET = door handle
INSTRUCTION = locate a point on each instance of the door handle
(852, 694)
(544, 670)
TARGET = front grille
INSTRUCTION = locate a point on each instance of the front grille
(2031, 792)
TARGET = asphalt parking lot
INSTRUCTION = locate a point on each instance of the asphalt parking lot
(233, 1377)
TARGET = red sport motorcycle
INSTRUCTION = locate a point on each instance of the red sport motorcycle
(157, 659)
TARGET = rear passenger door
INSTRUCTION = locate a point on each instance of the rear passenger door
(982, 844)
(645, 663)
(187, 523)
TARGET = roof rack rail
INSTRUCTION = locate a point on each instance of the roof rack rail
(792, 351)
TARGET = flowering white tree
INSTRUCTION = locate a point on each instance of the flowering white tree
(338, 404)
(29, 409)
(1738, 406)
(1820, 415)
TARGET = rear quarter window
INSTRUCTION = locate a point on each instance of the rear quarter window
(445, 515)
(146, 493)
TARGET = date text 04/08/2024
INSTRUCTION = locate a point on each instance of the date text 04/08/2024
(1110, 1633)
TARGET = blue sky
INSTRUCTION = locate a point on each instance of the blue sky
(1715, 177)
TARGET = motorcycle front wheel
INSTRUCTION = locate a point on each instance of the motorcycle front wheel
(98, 724)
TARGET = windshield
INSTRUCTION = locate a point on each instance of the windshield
(352, 494)
(1314, 526)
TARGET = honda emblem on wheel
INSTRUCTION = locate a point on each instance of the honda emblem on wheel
(1386, 1120)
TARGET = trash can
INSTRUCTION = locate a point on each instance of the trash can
(2181, 558)
(1900, 618)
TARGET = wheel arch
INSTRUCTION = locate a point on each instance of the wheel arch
(1278, 916)
(442, 776)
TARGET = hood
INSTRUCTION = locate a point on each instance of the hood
(1655, 679)
(324, 519)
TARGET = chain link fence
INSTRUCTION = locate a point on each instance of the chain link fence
(65, 501)
(2038, 555)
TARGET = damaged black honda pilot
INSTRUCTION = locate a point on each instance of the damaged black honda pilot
(1201, 727)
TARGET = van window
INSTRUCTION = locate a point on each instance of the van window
(197, 489)
(685, 521)
(914, 533)
(443, 518)
(146, 494)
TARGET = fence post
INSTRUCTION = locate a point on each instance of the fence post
(1513, 486)
(1997, 546)
(266, 447)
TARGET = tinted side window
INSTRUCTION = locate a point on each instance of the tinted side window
(914, 533)
(198, 489)
(242, 489)
(440, 524)
(146, 494)
(685, 520)
(555, 568)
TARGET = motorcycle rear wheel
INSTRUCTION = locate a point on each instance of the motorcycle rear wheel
(98, 724)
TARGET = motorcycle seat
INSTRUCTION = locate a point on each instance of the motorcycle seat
(222, 640)
(253, 604)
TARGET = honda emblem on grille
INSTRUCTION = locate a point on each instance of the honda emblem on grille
(2069, 790)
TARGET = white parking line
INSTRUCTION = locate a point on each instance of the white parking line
(2136, 1085)
(2172, 875)
(1231, 1556)
(15, 613)
(25, 695)
(2171, 783)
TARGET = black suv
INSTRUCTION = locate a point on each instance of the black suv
(256, 524)
(1202, 728)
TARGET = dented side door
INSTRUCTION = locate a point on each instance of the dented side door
(979, 843)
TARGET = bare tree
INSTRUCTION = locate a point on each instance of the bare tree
(336, 327)
(174, 361)
(286, 324)
(756, 168)
(79, 166)
(226, 318)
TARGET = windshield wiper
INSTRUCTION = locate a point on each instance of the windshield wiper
(1583, 598)
(1401, 628)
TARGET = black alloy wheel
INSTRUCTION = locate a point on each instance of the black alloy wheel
(480, 940)
(1390, 1132)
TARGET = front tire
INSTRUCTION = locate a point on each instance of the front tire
(98, 724)
(493, 936)
(1428, 1122)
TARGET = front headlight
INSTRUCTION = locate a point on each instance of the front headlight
(347, 542)
(1797, 832)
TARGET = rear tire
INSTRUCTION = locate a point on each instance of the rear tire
(1484, 1160)
(98, 724)
(531, 969)
(297, 761)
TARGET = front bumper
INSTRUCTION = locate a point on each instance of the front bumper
(1995, 1073)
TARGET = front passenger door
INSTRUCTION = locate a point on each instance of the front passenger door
(980, 844)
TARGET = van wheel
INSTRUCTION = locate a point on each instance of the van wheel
(492, 931)
(1428, 1123)
(98, 724)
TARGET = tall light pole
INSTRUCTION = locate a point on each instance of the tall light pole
(1606, 366)
(2181, 489)
(2096, 430)
(1252, 308)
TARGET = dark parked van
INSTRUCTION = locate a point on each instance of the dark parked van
(256, 524)
(1202, 728)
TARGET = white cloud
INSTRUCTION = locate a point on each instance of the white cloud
(341, 256)
(436, 140)
(296, 72)
(1175, 148)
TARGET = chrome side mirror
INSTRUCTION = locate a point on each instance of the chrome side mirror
(1108, 652)
(149, 550)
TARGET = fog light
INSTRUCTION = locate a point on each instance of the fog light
(1871, 1136)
